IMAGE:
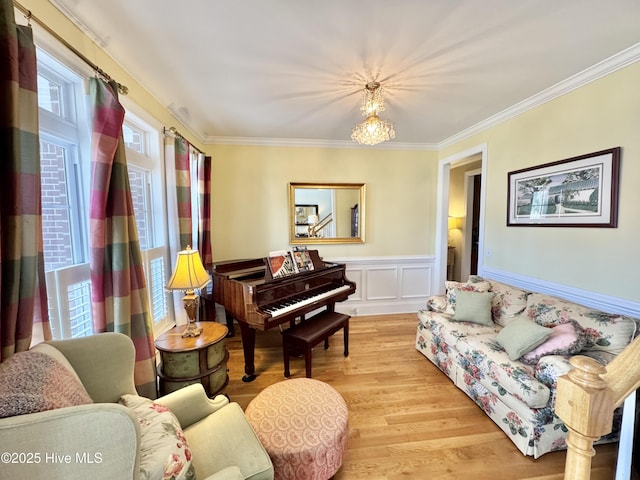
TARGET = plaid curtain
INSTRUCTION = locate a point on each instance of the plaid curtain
(204, 213)
(23, 300)
(183, 191)
(118, 288)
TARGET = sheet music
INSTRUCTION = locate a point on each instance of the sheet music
(281, 264)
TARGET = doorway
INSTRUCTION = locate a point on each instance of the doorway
(464, 217)
(474, 154)
(471, 227)
(475, 223)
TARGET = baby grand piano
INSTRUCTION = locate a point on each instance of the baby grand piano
(249, 294)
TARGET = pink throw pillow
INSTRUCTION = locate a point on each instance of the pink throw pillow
(33, 381)
(565, 339)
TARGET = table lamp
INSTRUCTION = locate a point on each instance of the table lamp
(189, 275)
(318, 225)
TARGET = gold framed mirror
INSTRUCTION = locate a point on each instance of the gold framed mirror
(326, 213)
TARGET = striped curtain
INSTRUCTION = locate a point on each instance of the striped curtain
(183, 191)
(23, 299)
(173, 223)
(118, 288)
(204, 213)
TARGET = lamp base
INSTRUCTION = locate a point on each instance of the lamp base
(191, 306)
(192, 330)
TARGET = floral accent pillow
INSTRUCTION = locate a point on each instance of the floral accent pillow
(565, 339)
(453, 287)
(437, 303)
(508, 302)
(475, 279)
(164, 452)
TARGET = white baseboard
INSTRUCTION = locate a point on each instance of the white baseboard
(600, 301)
(365, 308)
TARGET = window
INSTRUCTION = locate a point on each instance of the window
(134, 138)
(140, 194)
(60, 214)
(146, 180)
(65, 154)
(49, 95)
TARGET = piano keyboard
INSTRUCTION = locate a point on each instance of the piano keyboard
(298, 302)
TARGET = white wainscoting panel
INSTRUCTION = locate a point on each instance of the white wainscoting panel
(412, 284)
(387, 285)
(382, 283)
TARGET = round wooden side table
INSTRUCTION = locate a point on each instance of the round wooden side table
(201, 359)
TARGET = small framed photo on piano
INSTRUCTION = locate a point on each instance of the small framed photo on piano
(302, 259)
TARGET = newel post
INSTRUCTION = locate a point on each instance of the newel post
(585, 405)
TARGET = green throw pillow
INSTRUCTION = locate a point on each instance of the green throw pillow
(521, 336)
(473, 307)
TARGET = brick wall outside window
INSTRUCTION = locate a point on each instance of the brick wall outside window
(136, 184)
(56, 224)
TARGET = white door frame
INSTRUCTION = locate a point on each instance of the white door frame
(442, 213)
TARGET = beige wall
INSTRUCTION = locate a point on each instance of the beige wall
(250, 197)
(600, 115)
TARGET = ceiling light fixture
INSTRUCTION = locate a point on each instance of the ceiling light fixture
(372, 130)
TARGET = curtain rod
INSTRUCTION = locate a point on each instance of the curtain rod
(178, 134)
(30, 16)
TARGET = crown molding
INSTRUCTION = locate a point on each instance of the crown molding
(67, 12)
(297, 142)
(609, 65)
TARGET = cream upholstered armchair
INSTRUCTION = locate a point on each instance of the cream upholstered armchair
(105, 437)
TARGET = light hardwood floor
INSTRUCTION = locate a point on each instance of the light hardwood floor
(406, 418)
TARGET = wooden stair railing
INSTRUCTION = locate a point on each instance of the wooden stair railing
(586, 399)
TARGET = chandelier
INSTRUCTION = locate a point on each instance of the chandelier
(372, 130)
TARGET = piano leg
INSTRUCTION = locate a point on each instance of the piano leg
(248, 347)
(229, 319)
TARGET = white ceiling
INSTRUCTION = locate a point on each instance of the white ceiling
(260, 70)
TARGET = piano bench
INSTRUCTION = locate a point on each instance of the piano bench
(307, 334)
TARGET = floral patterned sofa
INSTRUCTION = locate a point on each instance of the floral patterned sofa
(506, 347)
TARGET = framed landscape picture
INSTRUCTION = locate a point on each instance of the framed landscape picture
(576, 192)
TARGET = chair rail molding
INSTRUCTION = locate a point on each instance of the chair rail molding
(600, 301)
(387, 284)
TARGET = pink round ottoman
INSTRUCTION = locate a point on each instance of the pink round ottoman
(303, 425)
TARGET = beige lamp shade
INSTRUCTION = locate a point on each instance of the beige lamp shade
(454, 223)
(189, 273)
